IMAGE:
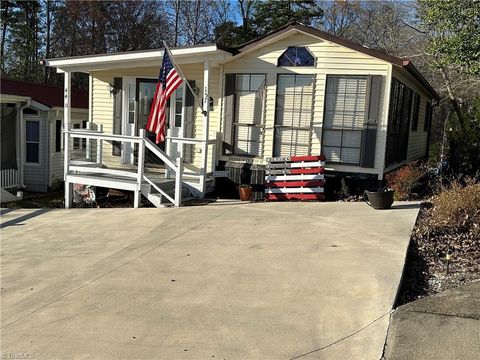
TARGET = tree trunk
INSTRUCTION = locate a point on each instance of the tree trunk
(47, 39)
(4, 32)
(453, 99)
(177, 19)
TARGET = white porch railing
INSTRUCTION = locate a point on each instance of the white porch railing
(91, 159)
(197, 173)
(9, 178)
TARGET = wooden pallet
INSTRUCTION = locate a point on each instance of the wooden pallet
(295, 178)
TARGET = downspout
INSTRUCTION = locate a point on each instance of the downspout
(48, 129)
(427, 152)
(21, 153)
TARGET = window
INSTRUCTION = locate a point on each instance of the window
(296, 56)
(58, 135)
(178, 107)
(344, 118)
(79, 143)
(415, 110)
(249, 114)
(32, 138)
(293, 115)
(428, 117)
(131, 103)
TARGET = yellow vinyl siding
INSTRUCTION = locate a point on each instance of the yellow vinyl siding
(330, 59)
(102, 102)
(417, 140)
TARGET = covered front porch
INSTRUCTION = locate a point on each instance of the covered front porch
(114, 150)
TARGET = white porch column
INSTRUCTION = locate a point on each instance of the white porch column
(67, 86)
(206, 119)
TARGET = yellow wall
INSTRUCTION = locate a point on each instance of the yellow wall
(331, 59)
(102, 101)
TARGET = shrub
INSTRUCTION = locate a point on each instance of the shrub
(405, 179)
(447, 237)
(457, 208)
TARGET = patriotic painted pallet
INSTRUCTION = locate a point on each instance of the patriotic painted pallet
(295, 178)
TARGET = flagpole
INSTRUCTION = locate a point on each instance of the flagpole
(166, 48)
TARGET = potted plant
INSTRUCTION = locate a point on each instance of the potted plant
(380, 200)
(245, 192)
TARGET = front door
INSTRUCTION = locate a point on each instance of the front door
(138, 97)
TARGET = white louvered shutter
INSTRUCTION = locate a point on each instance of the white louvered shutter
(293, 115)
(249, 114)
(344, 118)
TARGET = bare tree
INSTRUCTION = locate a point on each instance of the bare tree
(195, 20)
(340, 16)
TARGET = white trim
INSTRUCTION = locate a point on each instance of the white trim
(295, 177)
(133, 59)
(99, 170)
(36, 119)
(125, 184)
(382, 127)
(6, 98)
(39, 106)
(301, 164)
(300, 190)
(90, 97)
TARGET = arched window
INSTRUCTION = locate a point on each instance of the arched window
(296, 56)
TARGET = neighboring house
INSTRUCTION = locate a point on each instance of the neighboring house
(31, 131)
(295, 91)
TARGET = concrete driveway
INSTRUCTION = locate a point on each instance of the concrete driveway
(249, 281)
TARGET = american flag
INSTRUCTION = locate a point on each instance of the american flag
(168, 81)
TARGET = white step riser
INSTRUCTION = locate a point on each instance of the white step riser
(158, 200)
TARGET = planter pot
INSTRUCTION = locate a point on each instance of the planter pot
(245, 193)
(379, 199)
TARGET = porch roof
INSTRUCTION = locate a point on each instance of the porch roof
(142, 58)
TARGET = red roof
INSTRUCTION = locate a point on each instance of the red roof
(50, 95)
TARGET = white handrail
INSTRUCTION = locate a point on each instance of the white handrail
(189, 140)
(143, 142)
(102, 136)
(160, 154)
(177, 169)
(156, 187)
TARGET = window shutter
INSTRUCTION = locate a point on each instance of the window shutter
(369, 133)
(229, 111)
(344, 120)
(294, 106)
(117, 116)
(189, 122)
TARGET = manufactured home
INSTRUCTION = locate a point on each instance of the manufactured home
(32, 140)
(296, 91)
